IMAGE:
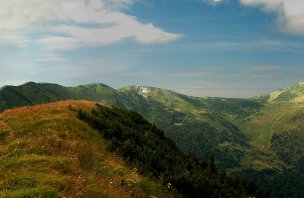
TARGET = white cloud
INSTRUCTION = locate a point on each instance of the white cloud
(66, 24)
(290, 13)
(50, 57)
(192, 74)
(213, 2)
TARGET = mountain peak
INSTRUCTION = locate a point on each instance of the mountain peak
(301, 84)
(293, 93)
(30, 83)
(146, 91)
(143, 90)
(95, 84)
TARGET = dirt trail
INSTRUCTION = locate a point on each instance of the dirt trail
(274, 122)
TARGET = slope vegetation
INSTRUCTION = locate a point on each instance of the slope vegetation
(146, 147)
(46, 151)
(278, 127)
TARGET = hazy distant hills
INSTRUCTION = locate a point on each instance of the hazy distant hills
(37, 93)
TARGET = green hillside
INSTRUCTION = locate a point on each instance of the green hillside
(278, 126)
(259, 137)
(204, 126)
(198, 125)
(278, 129)
(98, 92)
(37, 93)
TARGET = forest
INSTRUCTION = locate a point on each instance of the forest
(145, 147)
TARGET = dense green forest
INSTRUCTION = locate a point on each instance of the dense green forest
(145, 146)
(288, 183)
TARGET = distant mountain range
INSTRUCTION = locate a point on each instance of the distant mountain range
(246, 136)
(37, 93)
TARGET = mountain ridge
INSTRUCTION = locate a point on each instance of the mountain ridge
(251, 136)
(189, 121)
(143, 87)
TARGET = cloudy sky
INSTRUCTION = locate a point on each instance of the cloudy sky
(231, 48)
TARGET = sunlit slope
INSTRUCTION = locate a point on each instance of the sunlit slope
(293, 93)
(46, 151)
(279, 125)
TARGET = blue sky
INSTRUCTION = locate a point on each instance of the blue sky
(230, 48)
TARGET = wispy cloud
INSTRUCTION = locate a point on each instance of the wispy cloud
(213, 2)
(50, 57)
(222, 91)
(141, 73)
(267, 68)
(191, 74)
(262, 76)
(68, 24)
(249, 44)
(290, 13)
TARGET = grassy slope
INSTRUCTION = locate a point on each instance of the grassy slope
(278, 127)
(278, 130)
(277, 119)
(46, 151)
